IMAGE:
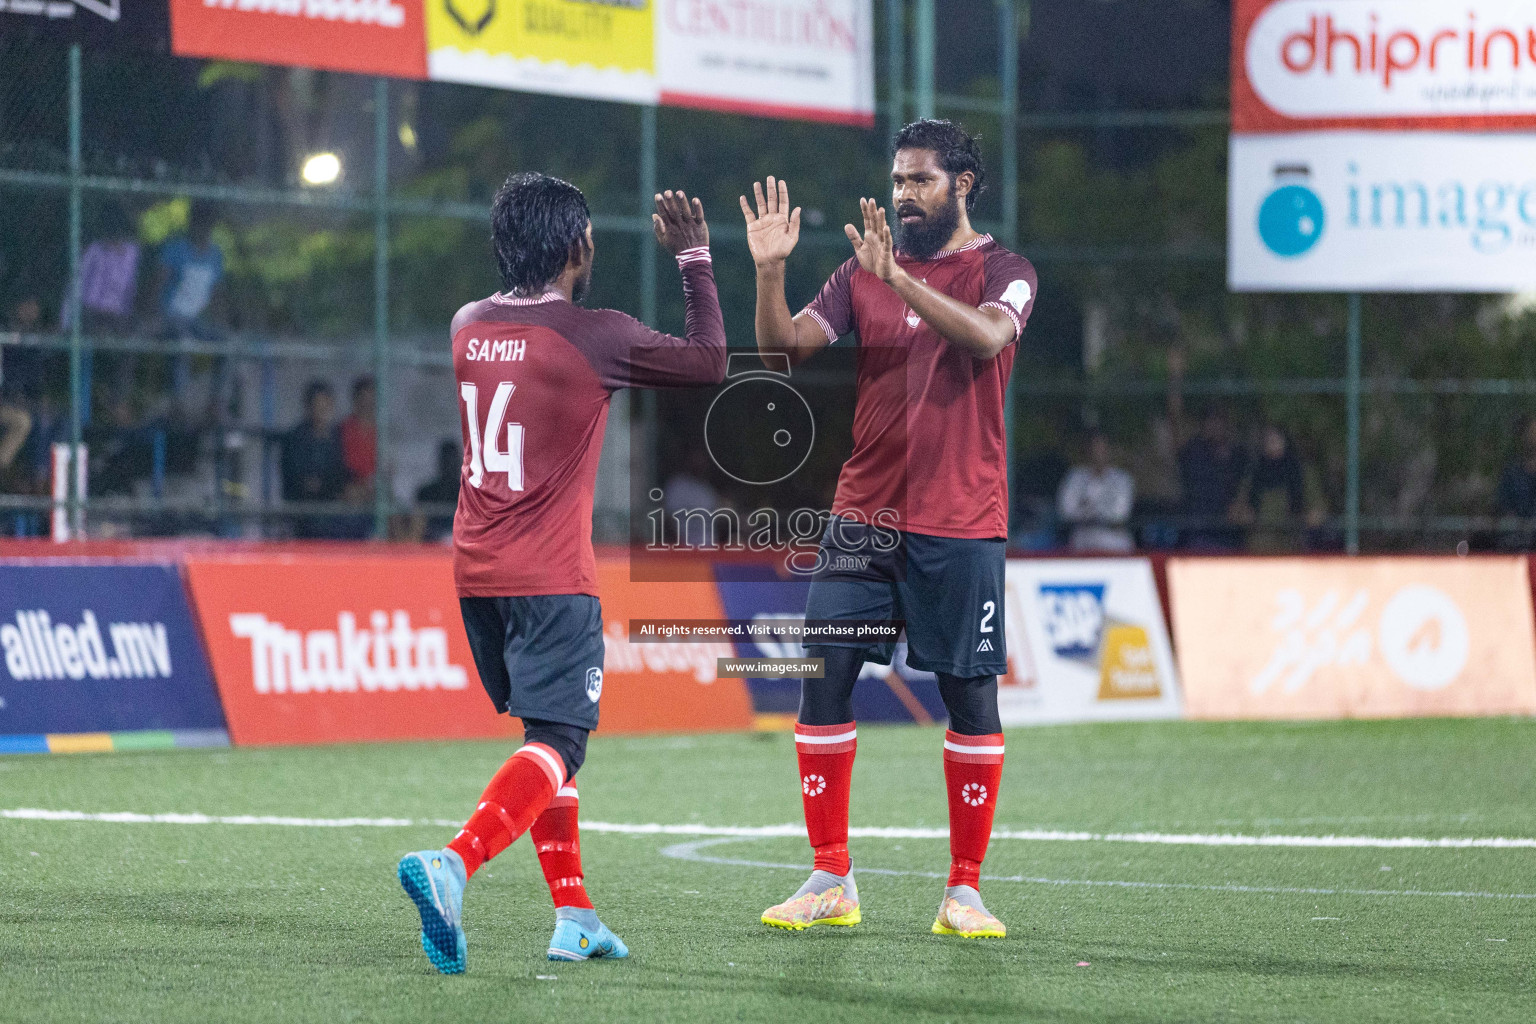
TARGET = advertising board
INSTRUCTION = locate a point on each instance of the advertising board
(1086, 642)
(1382, 146)
(100, 649)
(1353, 638)
(371, 37)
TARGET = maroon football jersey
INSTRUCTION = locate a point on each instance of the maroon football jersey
(929, 443)
(534, 378)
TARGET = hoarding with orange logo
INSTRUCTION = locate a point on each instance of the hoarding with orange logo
(1353, 638)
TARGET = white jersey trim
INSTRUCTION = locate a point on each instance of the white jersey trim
(517, 300)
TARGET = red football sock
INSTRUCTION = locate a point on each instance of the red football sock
(826, 773)
(973, 769)
(518, 793)
(555, 836)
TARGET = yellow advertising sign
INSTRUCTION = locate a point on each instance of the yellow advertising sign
(603, 49)
(1128, 670)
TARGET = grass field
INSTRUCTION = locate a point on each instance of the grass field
(197, 922)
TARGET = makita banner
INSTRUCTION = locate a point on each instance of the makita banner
(328, 649)
(100, 648)
(338, 648)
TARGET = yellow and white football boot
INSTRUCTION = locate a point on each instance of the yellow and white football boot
(825, 898)
(962, 913)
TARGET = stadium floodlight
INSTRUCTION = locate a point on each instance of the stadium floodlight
(321, 169)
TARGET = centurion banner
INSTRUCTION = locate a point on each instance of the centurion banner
(810, 59)
(1354, 638)
(1383, 145)
(1086, 642)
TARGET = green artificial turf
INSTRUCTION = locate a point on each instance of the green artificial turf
(161, 922)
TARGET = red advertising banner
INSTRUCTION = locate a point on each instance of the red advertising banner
(665, 687)
(371, 37)
(331, 648)
(1305, 65)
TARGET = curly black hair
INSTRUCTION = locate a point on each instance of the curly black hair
(955, 146)
(535, 219)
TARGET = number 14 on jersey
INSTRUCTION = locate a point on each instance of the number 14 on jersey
(486, 454)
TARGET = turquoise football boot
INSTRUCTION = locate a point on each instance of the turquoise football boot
(579, 935)
(434, 880)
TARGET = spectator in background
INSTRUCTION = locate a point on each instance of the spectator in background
(22, 368)
(1272, 500)
(690, 501)
(26, 315)
(1095, 501)
(1517, 486)
(15, 427)
(359, 440)
(1210, 473)
(1155, 464)
(359, 453)
(1036, 481)
(109, 277)
(191, 267)
(442, 489)
(312, 464)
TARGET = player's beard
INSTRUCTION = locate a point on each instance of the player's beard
(925, 239)
(582, 286)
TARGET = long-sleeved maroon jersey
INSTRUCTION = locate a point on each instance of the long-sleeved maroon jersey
(534, 379)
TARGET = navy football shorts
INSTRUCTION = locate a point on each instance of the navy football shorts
(539, 657)
(948, 591)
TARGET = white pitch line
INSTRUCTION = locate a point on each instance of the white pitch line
(1060, 836)
(796, 831)
(690, 852)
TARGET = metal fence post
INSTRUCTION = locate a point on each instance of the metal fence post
(647, 197)
(76, 377)
(381, 367)
(1352, 412)
(1008, 113)
(647, 206)
(923, 59)
(895, 65)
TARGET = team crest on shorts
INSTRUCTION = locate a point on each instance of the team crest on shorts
(594, 684)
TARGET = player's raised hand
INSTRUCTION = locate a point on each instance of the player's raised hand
(679, 222)
(774, 228)
(874, 246)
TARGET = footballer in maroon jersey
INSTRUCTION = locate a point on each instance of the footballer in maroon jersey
(919, 523)
(534, 374)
